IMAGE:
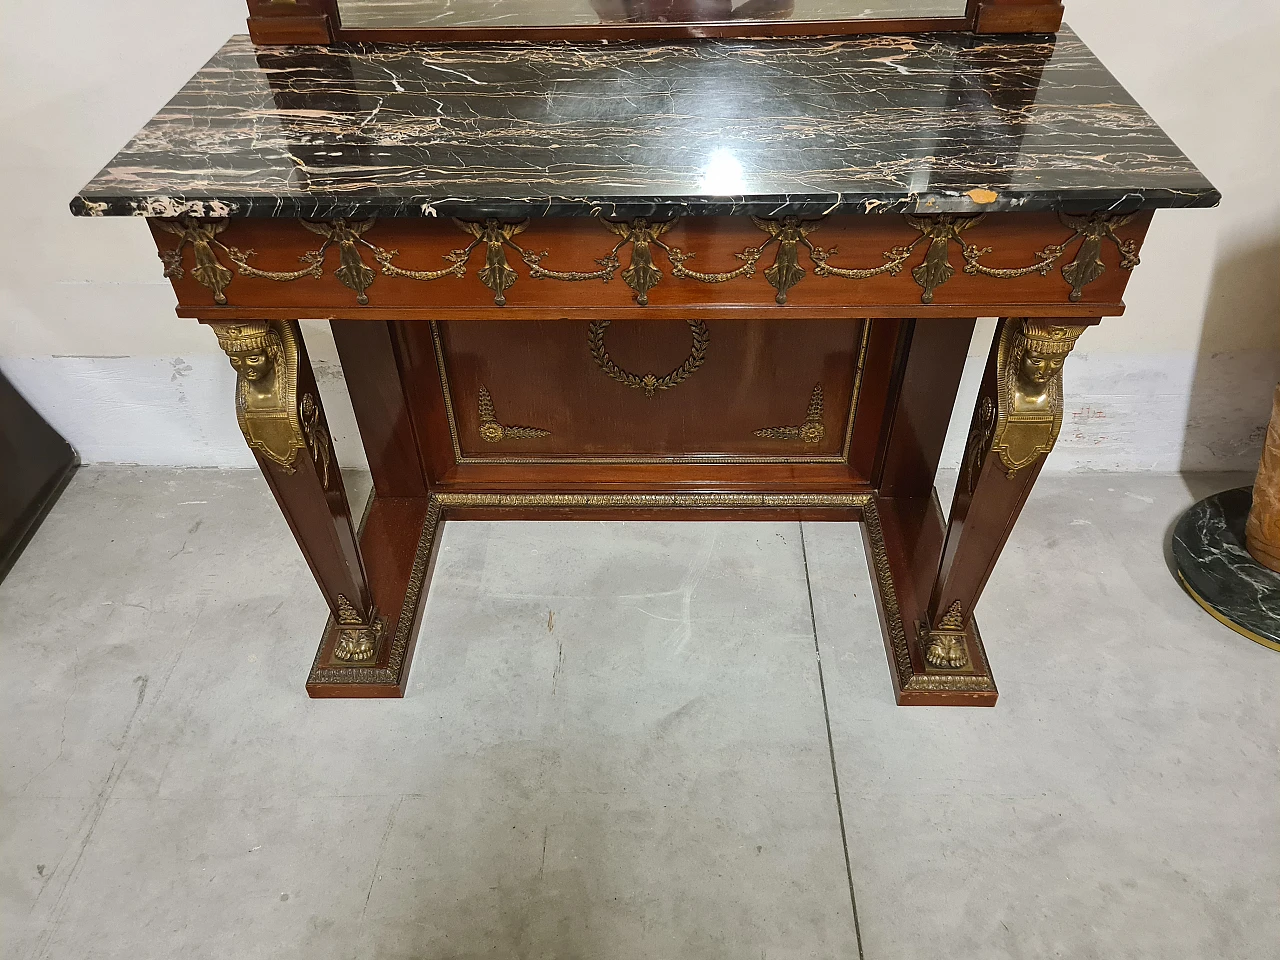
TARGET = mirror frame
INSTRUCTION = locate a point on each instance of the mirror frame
(318, 21)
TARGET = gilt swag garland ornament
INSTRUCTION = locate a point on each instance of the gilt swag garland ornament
(938, 234)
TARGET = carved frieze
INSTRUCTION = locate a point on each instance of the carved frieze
(928, 256)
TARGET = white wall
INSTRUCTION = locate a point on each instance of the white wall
(1184, 379)
(87, 329)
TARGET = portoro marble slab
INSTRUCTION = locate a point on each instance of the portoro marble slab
(926, 123)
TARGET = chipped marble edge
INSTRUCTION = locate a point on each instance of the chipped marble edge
(1069, 201)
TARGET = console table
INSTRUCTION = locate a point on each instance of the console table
(663, 280)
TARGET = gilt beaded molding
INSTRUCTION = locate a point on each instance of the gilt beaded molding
(788, 236)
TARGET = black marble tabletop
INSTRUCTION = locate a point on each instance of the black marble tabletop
(942, 123)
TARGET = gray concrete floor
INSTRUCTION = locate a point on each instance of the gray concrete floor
(616, 745)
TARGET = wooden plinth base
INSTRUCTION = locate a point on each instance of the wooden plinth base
(399, 540)
(904, 540)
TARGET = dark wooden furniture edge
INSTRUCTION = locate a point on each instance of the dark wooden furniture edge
(19, 535)
(38, 467)
(644, 32)
(293, 21)
(1017, 16)
(272, 31)
(425, 314)
(319, 21)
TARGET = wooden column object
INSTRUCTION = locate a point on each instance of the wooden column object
(292, 21)
(930, 379)
(1015, 425)
(371, 367)
(1262, 532)
(935, 363)
(909, 522)
(279, 410)
(1018, 16)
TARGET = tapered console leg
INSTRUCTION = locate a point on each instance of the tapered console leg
(280, 413)
(399, 534)
(904, 529)
(371, 367)
(1015, 425)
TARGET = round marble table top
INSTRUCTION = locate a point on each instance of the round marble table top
(1216, 569)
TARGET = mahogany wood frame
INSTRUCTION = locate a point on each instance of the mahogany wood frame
(909, 369)
(319, 21)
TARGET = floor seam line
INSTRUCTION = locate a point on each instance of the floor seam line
(831, 747)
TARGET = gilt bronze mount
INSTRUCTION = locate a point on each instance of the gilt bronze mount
(945, 645)
(1029, 408)
(811, 431)
(650, 383)
(358, 638)
(791, 235)
(265, 357)
(491, 431)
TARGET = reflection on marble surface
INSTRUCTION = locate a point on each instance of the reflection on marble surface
(875, 123)
(399, 14)
(1210, 555)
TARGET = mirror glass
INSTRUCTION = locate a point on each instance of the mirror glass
(498, 14)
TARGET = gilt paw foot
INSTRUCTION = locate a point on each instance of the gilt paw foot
(354, 646)
(358, 643)
(947, 651)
